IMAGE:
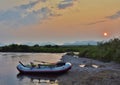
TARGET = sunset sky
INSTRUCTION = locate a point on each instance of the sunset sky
(58, 21)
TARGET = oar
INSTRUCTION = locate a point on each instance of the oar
(21, 63)
(44, 62)
(40, 61)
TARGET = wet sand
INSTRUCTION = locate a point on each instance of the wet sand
(90, 72)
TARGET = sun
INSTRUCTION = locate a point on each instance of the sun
(105, 34)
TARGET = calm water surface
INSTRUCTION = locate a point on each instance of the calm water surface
(10, 76)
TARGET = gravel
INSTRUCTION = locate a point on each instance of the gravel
(90, 72)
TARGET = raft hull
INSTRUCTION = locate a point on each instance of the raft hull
(54, 70)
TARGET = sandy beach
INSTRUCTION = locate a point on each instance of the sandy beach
(90, 72)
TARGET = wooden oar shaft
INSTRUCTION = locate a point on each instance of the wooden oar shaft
(41, 61)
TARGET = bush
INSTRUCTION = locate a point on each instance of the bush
(70, 53)
(104, 51)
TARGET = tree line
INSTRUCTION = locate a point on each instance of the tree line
(37, 48)
(104, 51)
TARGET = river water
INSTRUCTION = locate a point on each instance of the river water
(9, 75)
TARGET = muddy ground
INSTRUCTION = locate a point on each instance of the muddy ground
(90, 72)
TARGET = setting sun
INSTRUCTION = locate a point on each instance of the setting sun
(105, 34)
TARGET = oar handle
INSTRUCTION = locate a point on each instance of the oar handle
(40, 61)
(21, 63)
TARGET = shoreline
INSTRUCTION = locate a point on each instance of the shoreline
(104, 74)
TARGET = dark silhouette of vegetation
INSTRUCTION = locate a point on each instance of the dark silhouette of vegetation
(105, 51)
(37, 48)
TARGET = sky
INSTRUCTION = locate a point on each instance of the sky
(58, 21)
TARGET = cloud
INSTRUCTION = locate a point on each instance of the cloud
(21, 16)
(92, 23)
(43, 0)
(114, 16)
(33, 12)
(29, 5)
(9, 15)
(65, 4)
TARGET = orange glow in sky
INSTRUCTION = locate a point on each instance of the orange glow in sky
(58, 21)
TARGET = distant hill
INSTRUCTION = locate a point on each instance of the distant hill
(1, 44)
(53, 44)
(82, 43)
(47, 43)
(41, 44)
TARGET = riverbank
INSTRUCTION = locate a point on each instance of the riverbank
(90, 72)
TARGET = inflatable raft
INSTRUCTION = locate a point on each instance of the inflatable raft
(60, 67)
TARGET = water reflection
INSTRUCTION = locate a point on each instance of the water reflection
(8, 71)
(35, 79)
